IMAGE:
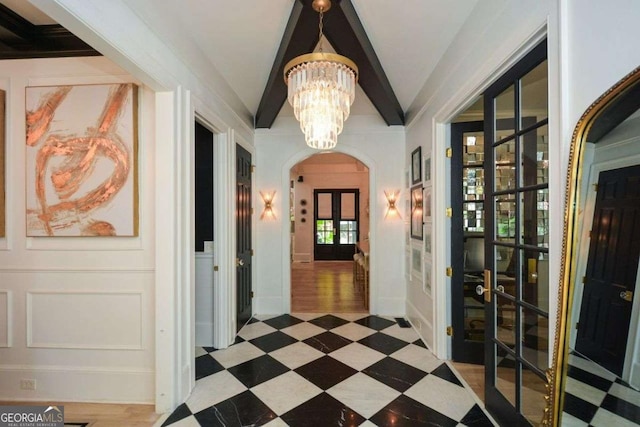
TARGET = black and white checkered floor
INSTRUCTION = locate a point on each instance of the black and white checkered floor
(596, 397)
(326, 370)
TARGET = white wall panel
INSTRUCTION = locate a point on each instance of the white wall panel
(88, 320)
(6, 320)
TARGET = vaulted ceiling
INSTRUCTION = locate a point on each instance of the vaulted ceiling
(396, 44)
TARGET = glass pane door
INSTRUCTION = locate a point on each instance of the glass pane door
(516, 242)
(336, 224)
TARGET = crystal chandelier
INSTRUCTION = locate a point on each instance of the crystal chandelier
(321, 89)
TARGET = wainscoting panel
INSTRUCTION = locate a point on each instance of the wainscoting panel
(77, 320)
(6, 320)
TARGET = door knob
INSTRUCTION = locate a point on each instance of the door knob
(239, 262)
(481, 290)
(626, 295)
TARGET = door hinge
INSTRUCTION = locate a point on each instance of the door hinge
(577, 325)
(595, 187)
(252, 252)
(449, 152)
(449, 271)
(584, 279)
(216, 268)
(251, 294)
(253, 168)
(450, 331)
(251, 211)
(449, 212)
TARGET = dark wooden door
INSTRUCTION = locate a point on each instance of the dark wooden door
(467, 241)
(243, 236)
(336, 224)
(612, 266)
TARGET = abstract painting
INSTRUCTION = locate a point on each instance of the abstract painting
(2, 190)
(81, 160)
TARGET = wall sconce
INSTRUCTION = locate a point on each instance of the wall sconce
(267, 212)
(392, 199)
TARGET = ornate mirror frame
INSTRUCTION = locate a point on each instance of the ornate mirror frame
(558, 372)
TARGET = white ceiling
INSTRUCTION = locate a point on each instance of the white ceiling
(240, 38)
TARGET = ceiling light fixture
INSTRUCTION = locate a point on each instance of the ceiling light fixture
(321, 89)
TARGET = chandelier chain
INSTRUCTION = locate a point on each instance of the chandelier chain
(320, 28)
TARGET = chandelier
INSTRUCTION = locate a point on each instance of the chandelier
(321, 89)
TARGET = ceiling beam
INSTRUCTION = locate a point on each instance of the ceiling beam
(345, 32)
(22, 39)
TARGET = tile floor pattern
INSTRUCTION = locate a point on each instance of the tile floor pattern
(596, 397)
(326, 370)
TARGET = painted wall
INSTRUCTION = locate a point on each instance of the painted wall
(77, 314)
(381, 149)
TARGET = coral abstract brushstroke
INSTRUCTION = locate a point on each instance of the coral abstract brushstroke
(79, 155)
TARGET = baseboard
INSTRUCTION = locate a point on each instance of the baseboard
(302, 257)
(421, 324)
(204, 334)
(62, 384)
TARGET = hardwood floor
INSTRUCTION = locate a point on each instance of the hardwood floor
(325, 287)
(102, 414)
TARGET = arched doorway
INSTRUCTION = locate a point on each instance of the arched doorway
(329, 213)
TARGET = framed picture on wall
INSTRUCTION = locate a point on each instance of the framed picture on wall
(426, 204)
(427, 169)
(426, 274)
(427, 240)
(416, 263)
(416, 212)
(416, 166)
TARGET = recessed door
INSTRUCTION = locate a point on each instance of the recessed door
(336, 224)
(516, 279)
(244, 292)
(612, 266)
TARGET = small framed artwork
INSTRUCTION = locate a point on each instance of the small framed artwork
(427, 240)
(407, 179)
(426, 204)
(416, 166)
(427, 169)
(416, 262)
(416, 212)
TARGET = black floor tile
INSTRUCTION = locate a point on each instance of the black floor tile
(383, 343)
(476, 418)
(283, 321)
(273, 341)
(329, 321)
(395, 374)
(327, 342)
(589, 378)
(252, 320)
(325, 372)
(207, 365)
(244, 409)
(579, 408)
(420, 343)
(258, 370)
(443, 371)
(622, 408)
(375, 322)
(323, 411)
(180, 412)
(209, 349)
(406, 412)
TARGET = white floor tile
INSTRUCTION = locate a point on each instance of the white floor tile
(443, 396)
(236, 354)
(625, 393)
(591, 367)
(352, 317)
(200, 351)
(295, 355)
(189, 421)
(302, 331)
(353, 331)
(418, 357)
(363, 394)
(405, 334)
(308, 316)
(604, 418)
(255, 330)
(214, 389)
(285, 392)
(584, 391)
(357, 356)
(276, 423)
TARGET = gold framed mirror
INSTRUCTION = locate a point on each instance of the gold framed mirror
(594, 293)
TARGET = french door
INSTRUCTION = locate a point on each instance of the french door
(467, 241)
(336, 223)
(516, 276)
